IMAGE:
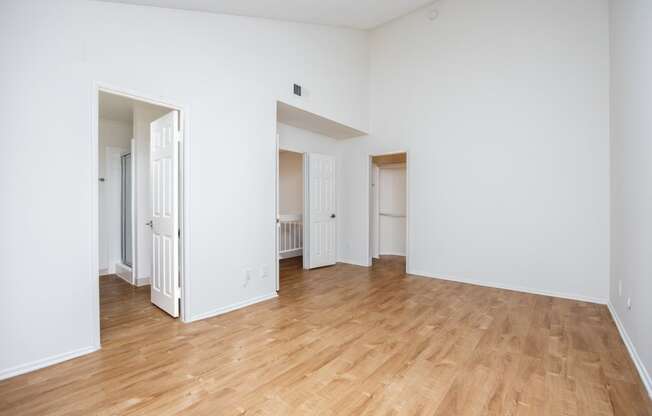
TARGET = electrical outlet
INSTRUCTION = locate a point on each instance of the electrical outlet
(629, 304)
(247, 277)
(620, 287)
(263, 271)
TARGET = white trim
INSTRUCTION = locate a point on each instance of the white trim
(408, 215)
(392, 254)
(45, 362)
(494, 285)
(184, 223)
(353, 262)
(233, 306)
(143, 281)
(125, 278)
(124, 272)
(642, 371)
(94, 235)
(290, 217)
(290, 254)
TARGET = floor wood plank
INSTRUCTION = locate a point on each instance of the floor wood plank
(346, 340)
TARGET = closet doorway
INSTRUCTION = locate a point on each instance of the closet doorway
(388, 203)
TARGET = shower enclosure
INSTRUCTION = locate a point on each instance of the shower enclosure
(126, 211)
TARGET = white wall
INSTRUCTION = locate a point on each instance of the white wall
(392, 203)
(631, 175)
(503, 107)
(290, 183)
(299, 140)
(227, 71)
(116, 136)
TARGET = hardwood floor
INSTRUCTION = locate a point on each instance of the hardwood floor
(346, 340)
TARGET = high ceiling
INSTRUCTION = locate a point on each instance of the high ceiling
(357, 14)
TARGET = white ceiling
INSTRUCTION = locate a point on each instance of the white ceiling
(120, 108)
(116, 107)
(358, 14)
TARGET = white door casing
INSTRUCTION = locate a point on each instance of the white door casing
(375, 211)
(321, 210)
(164, 168)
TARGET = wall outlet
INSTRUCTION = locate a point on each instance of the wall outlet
(629, 304)
(263, 271)
(620, 287)
(247, 277)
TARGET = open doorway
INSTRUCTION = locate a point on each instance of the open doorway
(290, 231)
(290, 181)
(140, 207)
(306, 173)
(388, 196)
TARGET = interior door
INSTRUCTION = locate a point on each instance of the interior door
(321, 210)
(164, 167)
(278, 223)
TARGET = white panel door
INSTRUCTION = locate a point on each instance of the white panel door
(164, 165)
(322, 218)
(278, 222)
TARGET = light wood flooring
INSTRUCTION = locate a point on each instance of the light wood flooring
(346, 340)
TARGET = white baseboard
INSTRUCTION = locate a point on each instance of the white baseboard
(291, 254)
(124, 272)
(104, 272)
(233, 307)
(494, 285)
(642, 371)
(143, 281)
(392, 254)
(45, 362)
(353, 262)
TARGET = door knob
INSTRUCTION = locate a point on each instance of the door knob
(332, 215)
(150, 223)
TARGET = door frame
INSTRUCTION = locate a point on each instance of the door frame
(184, 192)
(370, 218)
(277, 210)
(374, 219)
